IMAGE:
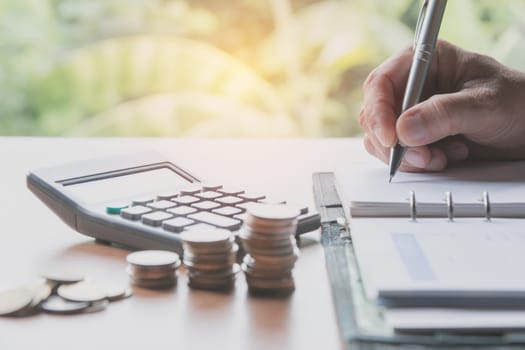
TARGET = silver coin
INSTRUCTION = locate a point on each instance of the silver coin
(154, 284)
(57, 305)
(41, 291)
(150, 258)
(268, 229)
(207, 266)
(14, 300)
(210, 259)
(145, 274)
(273, 212)
(96, 306)
(273, 284)
(82, 292)
(117, 292)
(206, 236)
(62, 276)
(196, 284)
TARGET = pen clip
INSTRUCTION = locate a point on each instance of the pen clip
(420, 20)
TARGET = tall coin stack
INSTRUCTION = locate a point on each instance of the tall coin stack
(154, 269)
(209, 258)
(268, 239)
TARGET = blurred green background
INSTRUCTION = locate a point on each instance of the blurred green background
(243, 68)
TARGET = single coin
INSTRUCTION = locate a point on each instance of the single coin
(206, 236)
(62, 276)
(273, 212)
(14, 300)
(41, 291)
(57, 305)
(118, 292)
(146, 274)
(155, 284)
(82, 292)
(96, 306)
(271, 230)
(153, 258)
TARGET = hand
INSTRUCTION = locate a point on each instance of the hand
(473, 107)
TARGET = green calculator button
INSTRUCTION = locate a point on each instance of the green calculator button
(116, 208)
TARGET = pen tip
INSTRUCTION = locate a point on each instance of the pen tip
(390, 179)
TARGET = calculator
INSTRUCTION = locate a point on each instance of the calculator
(145, 201)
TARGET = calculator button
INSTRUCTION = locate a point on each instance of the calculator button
(228, 211)
(162, 205)
(168, 195)
(185, 200)
(216, 220)
(211, 187)
(230, 191)
(155, 218)
(199, 226)
(251, 196)
(206, 205)
(208, 195)
(134, 213)
(177, 224)
(182, 210)
(189, 190)
(142, 201)
(229, 200)
(116, 208)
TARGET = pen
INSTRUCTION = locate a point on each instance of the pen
(425, 38)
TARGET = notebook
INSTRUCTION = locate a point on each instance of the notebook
(503, 182)
(455, 248)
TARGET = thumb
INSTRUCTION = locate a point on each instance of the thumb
(436, 118)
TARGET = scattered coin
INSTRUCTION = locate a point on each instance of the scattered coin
(57, 305)
(14, 300)
(62, 276)
(82, 291)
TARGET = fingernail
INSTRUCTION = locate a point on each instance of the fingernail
(415, 129)
(415, 158)
(380, 135)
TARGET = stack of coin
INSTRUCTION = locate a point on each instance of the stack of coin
(268, 239)
(153, 269)
(59, 293)
(209, 257)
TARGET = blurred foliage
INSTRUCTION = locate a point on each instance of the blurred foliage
(214, 68)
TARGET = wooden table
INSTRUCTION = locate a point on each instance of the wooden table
(32, 238)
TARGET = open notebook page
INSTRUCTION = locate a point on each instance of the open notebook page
(365, 183)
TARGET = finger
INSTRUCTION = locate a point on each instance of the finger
(382, 91)
(455, 150)
(438, 117)
(438, 160)
(370, 142)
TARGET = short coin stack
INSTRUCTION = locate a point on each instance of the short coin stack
(209, 257)
(153, 269)
(59, 292)
(268, 239)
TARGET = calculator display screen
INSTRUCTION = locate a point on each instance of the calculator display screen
(126, 186)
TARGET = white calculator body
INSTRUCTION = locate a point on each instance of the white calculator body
(143, 200)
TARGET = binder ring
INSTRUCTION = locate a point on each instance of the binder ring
(450, 205)
(486, 204)
(412, 203)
